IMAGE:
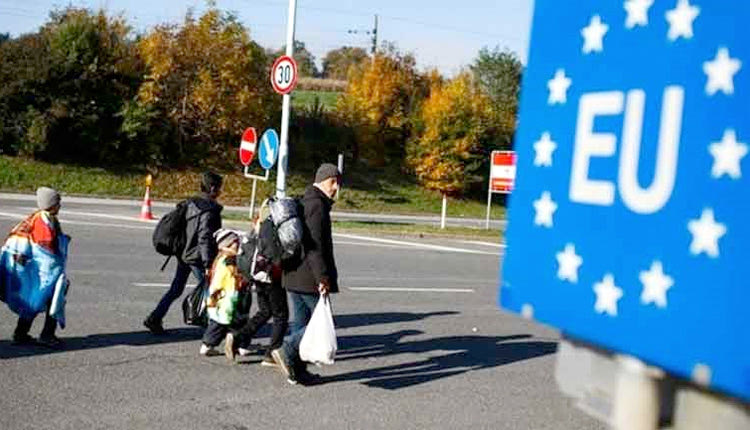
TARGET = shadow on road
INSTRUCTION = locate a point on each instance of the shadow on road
(133, 338)
(360, 320)
(189, 334)
(464, 354)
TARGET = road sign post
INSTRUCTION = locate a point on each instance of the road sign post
(285, 106)
(631, 200)
(502, 177)
(267, 154)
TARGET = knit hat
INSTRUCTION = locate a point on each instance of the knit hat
(325, 171)
(225, 237)
(47, 198)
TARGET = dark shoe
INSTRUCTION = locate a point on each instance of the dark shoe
(307, 378)
(23, 340)
(52, 341)
(154, 326)
(282, 361)
(229, 351)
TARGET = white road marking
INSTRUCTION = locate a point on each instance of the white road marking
(414, 279)
(380, 245)
(479, 242)
(415, 245)
(372, 240)
(93, 224)
(157, 285)
(64, 212)
(416, 290)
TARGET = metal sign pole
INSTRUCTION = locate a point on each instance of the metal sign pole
(252, 199)
(283, 147)
(489, 202)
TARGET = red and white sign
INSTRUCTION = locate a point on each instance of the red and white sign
(284, 74)
(502, 171)
(247, 146)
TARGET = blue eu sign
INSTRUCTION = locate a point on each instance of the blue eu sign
(630, 222)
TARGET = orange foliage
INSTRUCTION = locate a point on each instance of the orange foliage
(457, 120)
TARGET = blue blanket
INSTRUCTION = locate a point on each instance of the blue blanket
(29, 276)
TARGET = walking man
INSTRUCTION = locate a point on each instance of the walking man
(316, 274)
(203, 220)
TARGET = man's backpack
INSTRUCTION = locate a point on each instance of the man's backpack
(287, 215)
(170, 235)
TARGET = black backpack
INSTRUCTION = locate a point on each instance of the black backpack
(170, 233)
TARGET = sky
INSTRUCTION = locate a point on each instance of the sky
(440, 33)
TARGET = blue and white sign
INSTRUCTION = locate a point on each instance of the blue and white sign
(269, 148)
(630, 221)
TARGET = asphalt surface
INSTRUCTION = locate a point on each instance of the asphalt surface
(433, 220)
(440, 357)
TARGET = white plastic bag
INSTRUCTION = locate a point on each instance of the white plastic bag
(318, 344)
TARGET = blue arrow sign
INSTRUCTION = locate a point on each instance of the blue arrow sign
(269, 148)
(629, 222)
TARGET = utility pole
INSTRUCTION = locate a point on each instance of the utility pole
(285, 106)
(374, 40)
(375, 37)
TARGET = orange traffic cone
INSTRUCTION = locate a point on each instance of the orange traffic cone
(146, 214)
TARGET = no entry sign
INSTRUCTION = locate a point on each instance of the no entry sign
(247, 146)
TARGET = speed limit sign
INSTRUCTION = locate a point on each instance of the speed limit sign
(284, 74)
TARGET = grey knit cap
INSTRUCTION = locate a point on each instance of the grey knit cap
(47, 198)
(325, 171)
(225, 237)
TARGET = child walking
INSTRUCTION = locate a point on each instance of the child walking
(225, 292)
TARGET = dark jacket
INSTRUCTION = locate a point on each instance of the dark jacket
(203, 219)
(317, 261)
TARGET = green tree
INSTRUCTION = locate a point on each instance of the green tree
(305, 59)
(61, 89)
(337, 62)
(209, 81)
(498, 73)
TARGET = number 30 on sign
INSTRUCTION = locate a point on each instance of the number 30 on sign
(284, 74)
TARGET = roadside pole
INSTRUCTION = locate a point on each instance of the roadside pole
(284, 147)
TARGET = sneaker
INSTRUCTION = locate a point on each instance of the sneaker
(307, 378)
(243, 352)
(268, 361)
(279, 356)
(229, 351)
(154, 326)
(208, 351)
(23, 340)
(52, 341)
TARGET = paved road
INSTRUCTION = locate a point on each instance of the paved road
(407, 359)
(133, 205)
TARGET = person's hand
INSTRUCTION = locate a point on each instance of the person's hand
(323, 286)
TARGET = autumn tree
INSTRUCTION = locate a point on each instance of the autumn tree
(377, 104)
(456, 127)
(209, 80)
(337, 62)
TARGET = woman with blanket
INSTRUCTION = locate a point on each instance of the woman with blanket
(32, 270)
